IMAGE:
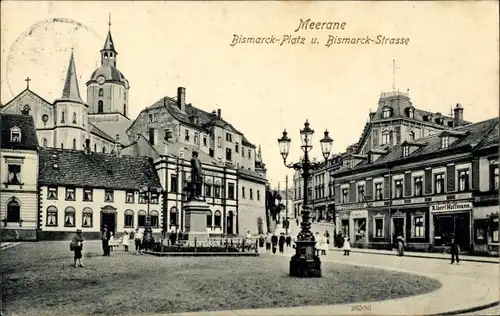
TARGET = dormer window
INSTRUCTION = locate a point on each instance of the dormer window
(439, 120)
(406, 150)
(445, 142)
(15, 135)
(386, 137)
(410, 113)
(386, 112)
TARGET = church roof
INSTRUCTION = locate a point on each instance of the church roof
(109, 72)
(71, 91)
(109, 44)
(67, 167)
(28, 131)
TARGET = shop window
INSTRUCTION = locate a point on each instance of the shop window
(494, 230)
(359, 229)
(418, 227)
(480, 231)
(378, 224)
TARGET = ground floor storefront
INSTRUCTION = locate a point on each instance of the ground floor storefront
(486, 229)
(451, 220)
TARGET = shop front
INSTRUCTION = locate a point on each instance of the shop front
(452, 219)
(353, 222)
(411, 223)
(379, 228)
(486, 229)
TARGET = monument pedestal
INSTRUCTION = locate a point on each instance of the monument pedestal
(196, 220)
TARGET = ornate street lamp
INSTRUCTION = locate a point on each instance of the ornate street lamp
(305, 263)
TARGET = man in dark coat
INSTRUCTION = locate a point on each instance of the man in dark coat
(274, 242)
(454, 249)
(106, 235)
(282, 243)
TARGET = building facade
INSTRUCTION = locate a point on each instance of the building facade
(19, 172)
(422, 190)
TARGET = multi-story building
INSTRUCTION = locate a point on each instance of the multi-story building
(19, 172)
(423, 190)
(87, 190)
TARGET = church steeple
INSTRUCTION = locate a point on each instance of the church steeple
(71, 91)
(108, 52)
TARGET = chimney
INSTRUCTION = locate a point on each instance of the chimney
(87, 146)
(219, 116)
(117, 145)
(181, 98)
(458, 114)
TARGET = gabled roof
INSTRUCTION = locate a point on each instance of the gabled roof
(67, 167)
(25, 123)
(97, 131)
(71, 91)
(27, 90)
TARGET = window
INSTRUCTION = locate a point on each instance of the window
(418, 226)
(217, 190)
(242, 151)
(45, 119)
(494, 230)
(406, 151)
(236, 148)
(204, 141)
(142, 198)
(155, 198)
(173, 183)
(95, 148)
(385, 137)
(196, 138)
(229, 137)
(70, 194)
(418, 186)
(219, 142)
(410, 113)
(361, 193)
(125, 110)
(87, 194)
(125, 95)
(208, 190)
(378, 223)
(51, 216)
(249, 154)
(101, 92)
(129, 197)
(251, 194)
(15, 135)
(173, 216)
(386, 113)
(217, 219)
(398, 189)
(14, 176)
(69, 217)
(62, 146)
(103, 150)
(13, 211)
(129, 218)
(494, 175)
(153, 118)
(87, 217)
(258, 195)
(74, 118)
(378, 191)
(186, 135)
(230, 191)
(243, 192)
(155, 219)
(445, 142)
(44, 142)
(100, 106)
(411, 136)
(210, 152)
(152, 136)
(439, 183)
(108, 195)
(345, 194)
(209, 218)
(74, 143)
(26, 110)
(463, 180)
(52, 193)
(63, 117)
(141, 218)
(228, 154)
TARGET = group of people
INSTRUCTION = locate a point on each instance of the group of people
(273, 242)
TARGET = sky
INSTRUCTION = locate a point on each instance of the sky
(451, 57)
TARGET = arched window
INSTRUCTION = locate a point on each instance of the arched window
(105, 55)
(13, 211)
(69, 217)
(44, 142)
(141, 218)
(209, 218)
(51, 216)
(26, 110)
(100, 106)
(74, 118)
(87, 217)
(63, 117)
(155, 219)
(74, 143)
(173, 216)
(217, 219)
(103, 150)
(411, 135)
(101, 92)
(129, 218)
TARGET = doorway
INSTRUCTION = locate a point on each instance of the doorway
(109, 219)
(399, 228)
(230, 218)
(448, 225)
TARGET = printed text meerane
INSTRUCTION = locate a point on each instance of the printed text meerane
(312, 25)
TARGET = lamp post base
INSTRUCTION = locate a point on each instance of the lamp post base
(305, 264)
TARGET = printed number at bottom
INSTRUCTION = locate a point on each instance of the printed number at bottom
(360, 308)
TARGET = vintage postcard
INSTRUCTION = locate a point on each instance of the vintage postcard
(249, 158)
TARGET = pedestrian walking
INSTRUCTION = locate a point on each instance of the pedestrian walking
(281, 242)
(138, 241)
(106, 235)
(288, 241)
(76, 246)
(401, 245)
(347, 246)
(274, 242)
(454, 250)
(268, 241)
(327, 236)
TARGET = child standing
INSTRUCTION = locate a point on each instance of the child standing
(76, 246)
(347, 246)
(125, 240)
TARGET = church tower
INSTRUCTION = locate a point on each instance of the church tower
(107, 89)
(70, 113)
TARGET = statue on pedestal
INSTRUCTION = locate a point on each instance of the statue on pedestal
(195, 187)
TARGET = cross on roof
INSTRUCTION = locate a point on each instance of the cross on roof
(27, 82)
